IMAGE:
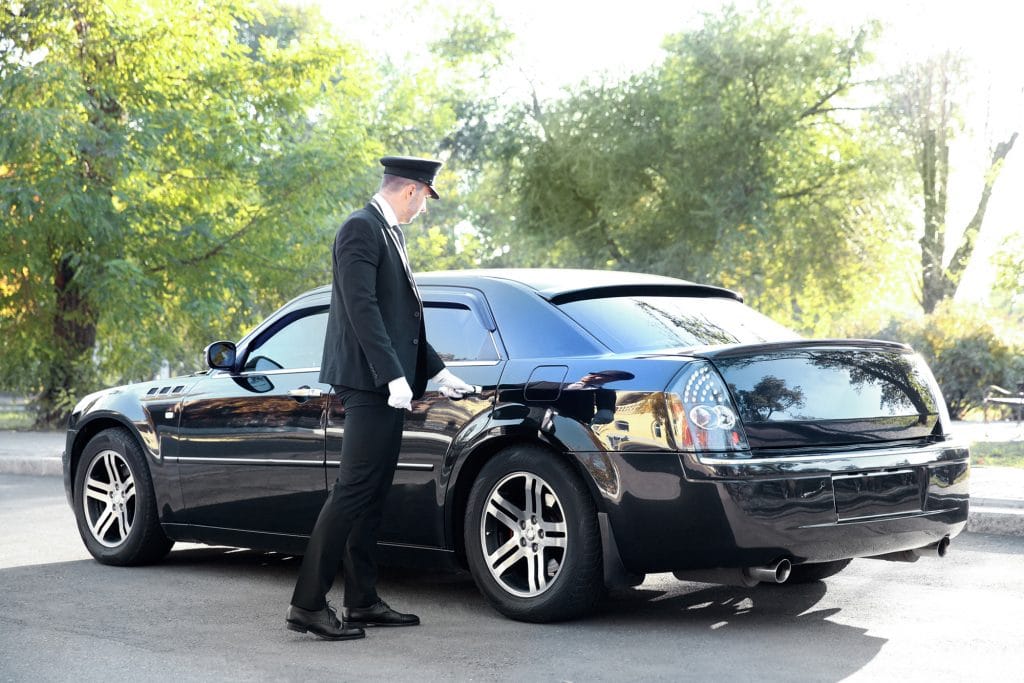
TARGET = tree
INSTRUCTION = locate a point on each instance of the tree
(739, 161)
(161, 182)
(925, 102)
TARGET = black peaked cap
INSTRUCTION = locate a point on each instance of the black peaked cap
(420, 170)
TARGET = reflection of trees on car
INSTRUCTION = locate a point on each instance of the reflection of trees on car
(768, 396)
(893, 374)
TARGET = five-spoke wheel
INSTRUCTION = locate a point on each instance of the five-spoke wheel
(109, 501)
(523, 534)
(532, 537)
(114, 502)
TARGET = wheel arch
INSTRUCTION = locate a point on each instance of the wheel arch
(472, 460)
(87, 431)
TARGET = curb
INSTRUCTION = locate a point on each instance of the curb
(1004, 520)
(42, 467)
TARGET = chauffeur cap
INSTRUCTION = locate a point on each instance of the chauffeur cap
(420, 170)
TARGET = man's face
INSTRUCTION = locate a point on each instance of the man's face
(413, 202)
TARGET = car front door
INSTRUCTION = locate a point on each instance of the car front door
(252, 443)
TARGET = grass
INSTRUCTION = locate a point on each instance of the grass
(15, 419)
(998, 453)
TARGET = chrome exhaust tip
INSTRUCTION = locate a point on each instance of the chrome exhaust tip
(745, 576)
(773, 573)
(937, 549)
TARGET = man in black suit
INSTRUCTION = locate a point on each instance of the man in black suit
(377, 358)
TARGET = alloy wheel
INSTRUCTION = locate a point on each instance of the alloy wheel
(523, 533)
(109, 500)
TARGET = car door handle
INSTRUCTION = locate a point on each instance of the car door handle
(305, 392)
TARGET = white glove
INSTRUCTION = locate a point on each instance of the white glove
(452, 386)
(399, 394)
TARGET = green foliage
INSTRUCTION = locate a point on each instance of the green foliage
(170, 183)
(965, 351)
(738, 161)
(1009, 285)
(998, 454)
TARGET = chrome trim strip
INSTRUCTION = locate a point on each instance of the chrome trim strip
(926, 452)
(248, 461)
(857, 475)
(472, 363)
(251, 373)
(415, 466)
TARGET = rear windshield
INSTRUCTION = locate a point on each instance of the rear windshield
(648, 323)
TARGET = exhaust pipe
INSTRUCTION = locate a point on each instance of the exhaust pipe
(739, 576)
(937, 549)
(776, 573)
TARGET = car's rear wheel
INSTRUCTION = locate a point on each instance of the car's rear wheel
(532, 538)
(114, 502)
(806, 573)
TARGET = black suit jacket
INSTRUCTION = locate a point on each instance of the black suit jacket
(375, 330)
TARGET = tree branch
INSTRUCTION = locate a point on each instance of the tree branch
(966, 247)
(216, 249)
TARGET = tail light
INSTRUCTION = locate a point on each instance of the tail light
(703, 415)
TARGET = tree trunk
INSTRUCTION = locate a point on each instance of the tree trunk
(74, 336)
(934, 169)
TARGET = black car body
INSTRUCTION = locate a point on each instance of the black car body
(626, 424)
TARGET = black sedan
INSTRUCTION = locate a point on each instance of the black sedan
(625, 424)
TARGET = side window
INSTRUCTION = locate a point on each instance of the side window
(456, 333)
(299, 344)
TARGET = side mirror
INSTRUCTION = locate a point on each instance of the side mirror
(220, 355)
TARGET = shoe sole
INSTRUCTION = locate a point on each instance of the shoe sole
(370, 624)
(305, 629)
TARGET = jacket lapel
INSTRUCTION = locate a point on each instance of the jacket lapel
(392, 240)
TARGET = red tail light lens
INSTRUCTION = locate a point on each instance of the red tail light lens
(703, 415)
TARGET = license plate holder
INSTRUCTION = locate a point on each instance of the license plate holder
(874, 494)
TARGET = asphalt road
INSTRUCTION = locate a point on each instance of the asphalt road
(218, 614)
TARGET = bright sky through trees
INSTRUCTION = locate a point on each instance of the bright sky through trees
(561, 42)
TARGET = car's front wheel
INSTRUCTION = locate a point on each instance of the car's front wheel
(532, 538)
(114, 502)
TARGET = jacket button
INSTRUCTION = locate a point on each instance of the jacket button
(415, 342)
(416, 314)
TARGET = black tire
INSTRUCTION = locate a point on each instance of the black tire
(118, 520)
(550, 568)
(807, 573)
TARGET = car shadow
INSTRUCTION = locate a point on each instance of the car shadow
(243, 593)
(717, 619)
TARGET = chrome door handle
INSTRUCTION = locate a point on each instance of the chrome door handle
(305, 392)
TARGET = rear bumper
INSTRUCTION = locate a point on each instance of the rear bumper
(672, 512)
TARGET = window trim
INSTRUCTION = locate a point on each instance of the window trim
(447, 296)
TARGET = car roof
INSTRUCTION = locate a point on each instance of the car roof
(561, 285)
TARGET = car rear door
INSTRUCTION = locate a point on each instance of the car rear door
(252, 444)
(461, 328)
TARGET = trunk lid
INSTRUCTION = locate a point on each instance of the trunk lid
(829, 392)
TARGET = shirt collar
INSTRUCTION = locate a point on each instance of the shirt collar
(385, 209)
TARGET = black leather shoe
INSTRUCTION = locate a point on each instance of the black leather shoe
(378, 615)
(323, 623)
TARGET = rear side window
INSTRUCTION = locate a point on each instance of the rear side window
(457, 334)
(648, 323)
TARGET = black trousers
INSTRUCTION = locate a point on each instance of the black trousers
(346, 530)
